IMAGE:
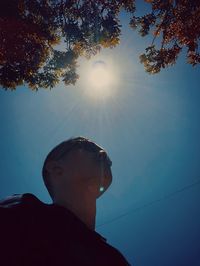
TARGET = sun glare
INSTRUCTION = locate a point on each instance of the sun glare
(100, 79)
(99, 76)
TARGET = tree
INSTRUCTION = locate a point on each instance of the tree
(30, 32)
(175, 24)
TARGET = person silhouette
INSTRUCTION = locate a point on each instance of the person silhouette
(76, 173)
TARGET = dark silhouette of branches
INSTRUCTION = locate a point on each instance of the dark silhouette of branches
(31, 30)
(175, 24)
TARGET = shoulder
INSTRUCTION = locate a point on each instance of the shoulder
(27, 209)
(19, 213)
(8, 207)
(19, 205)
(16, 200)
(11, 201)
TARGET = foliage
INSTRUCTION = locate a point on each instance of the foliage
(175, 24)
(31, 32)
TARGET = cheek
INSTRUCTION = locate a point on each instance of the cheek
(66, 178)
(107, 179)
(94, 180)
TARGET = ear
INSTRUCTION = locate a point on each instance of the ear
(54, 168)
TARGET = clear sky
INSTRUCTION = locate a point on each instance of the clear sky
(150, 127)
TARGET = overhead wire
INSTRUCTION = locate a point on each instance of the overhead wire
(167, 196)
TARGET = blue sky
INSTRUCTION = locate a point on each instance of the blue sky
(150, 128)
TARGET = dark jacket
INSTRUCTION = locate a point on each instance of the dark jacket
(34, 233)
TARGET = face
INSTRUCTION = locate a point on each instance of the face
(82, 171)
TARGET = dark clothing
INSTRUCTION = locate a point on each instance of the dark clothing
(33, 233)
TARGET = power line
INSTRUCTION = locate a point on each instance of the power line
(150, 203)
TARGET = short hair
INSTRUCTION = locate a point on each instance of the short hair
(63, 149)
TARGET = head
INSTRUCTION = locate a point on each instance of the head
(77, 167)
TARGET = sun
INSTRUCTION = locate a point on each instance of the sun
(100, 79)
(99, 75)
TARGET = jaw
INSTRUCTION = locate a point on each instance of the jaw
(106, 182)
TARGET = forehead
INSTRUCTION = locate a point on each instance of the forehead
(85, 157)
(87, 148)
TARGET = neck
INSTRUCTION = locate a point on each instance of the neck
(84, 208)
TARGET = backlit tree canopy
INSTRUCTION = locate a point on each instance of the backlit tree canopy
(30, 32)
(175, 24)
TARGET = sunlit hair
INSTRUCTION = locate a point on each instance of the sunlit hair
(62, 150)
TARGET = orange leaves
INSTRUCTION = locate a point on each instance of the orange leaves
(156, 33)
(27, 46)
(29, 31)
(177, 24)
(110, 43)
